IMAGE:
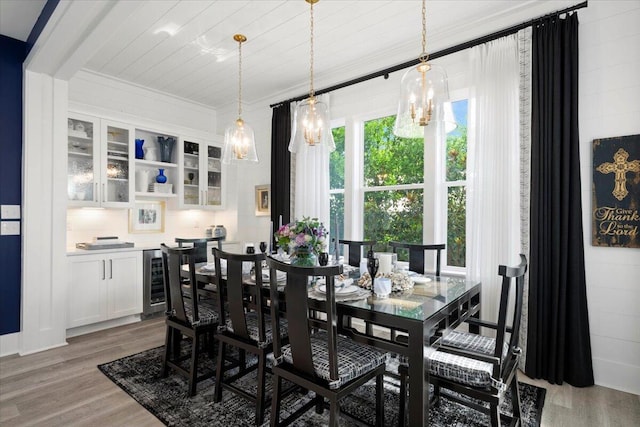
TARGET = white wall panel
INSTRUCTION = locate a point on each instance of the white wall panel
(610, 106)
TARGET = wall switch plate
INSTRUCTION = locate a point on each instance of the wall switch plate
(10, 228)
(10, 211)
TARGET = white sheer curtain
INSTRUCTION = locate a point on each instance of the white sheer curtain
(311, 181)
(493, 190)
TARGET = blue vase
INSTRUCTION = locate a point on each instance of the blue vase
(161, 178)
(139, 150)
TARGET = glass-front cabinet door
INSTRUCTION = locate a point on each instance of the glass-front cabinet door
(117, 152)
(213, 195)
(192, 194)
(201, 175)
(83, 160)
(98, 162)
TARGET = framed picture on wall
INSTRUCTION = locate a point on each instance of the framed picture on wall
(147, 217)
(263, 200)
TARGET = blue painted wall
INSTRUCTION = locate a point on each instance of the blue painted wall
(12, 55)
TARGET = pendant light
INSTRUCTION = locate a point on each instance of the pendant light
(311, 125)
(239, 141)
(424, 91)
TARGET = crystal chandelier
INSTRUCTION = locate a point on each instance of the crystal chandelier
(311, 123)
(424, 90)
(239, 141)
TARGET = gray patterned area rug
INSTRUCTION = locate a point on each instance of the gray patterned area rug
(166, 398)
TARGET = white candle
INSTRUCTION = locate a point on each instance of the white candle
(385, 262)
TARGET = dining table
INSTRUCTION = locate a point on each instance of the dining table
(420, 315)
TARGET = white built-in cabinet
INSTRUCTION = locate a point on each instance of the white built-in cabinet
(99, 170)
(105, 169)
(201, 175)
(103, 287)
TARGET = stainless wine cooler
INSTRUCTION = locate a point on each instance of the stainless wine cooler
(154, 298)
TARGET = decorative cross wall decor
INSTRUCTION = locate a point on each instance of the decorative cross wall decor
(616, 217)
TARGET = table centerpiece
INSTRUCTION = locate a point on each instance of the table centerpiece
(303, 239)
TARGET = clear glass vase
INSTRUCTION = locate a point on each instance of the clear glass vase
(303, 256)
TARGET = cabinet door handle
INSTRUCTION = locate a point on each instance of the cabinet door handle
(104, 269)
(110, 269)
(206, 197)
(95, 195)
(104, 192)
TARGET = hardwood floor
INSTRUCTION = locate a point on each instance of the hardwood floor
(63, 387)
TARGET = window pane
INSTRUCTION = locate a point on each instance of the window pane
(393, 215)
(457, 144)
(456, 218)
(389, 160)
(336, 207)
(336, 160)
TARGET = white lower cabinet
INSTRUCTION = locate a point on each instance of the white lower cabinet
(104, 287)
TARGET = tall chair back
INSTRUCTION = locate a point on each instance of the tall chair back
(416, 254)
(172, 261)
(200, 244)
(355, 249)
(232, 298)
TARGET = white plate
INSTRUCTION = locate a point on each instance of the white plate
(420, 280)
(281, 276)
(344, 290)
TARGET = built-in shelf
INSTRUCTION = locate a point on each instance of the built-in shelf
(155, 195)
(155, 164)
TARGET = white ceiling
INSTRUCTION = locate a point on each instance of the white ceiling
(185, 48)
(18, 16)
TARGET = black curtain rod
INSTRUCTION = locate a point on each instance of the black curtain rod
(439, 54)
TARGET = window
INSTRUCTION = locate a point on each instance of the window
(336, 186)
(455, 182)
(392, 184)
(386, 188)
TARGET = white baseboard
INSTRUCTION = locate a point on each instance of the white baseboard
(618, 376)
(9, 344)
(95, 327)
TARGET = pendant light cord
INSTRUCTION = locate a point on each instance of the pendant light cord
(311, 91)
(239, 79)
(424, 56)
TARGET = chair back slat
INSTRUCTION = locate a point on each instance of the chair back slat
(297, 314)
(416, 254)
(232, 301)
(297, 319)
(172, 261)
(511, 276)
(355, 250)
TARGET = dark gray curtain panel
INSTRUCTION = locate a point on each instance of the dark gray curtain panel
(280, 164)
(559, 346)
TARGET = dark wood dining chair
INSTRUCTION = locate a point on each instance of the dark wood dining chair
(200, 243)
(244, 323)
(416, 254)
(185, 316)
(316, 357)
(355, 249)
(476, 366)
